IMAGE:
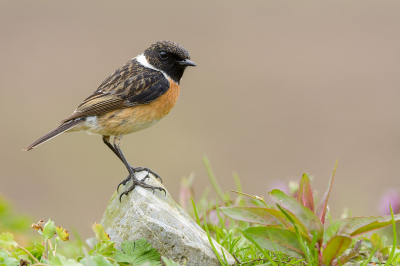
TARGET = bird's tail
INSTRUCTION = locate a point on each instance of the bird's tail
(54, 133)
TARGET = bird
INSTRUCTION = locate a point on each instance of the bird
(134, 97)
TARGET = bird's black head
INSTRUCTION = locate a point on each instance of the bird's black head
(169, 57)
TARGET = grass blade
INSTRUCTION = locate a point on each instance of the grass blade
(390, 259)
(372, 254)
(195, 212)
(211, 242)
(299, 237)
(266, 255)
(213, 180)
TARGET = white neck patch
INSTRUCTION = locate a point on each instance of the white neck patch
(143, 61)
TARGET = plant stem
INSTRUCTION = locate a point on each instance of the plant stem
(237, 260)
(46, 250)
(6, 251)
(391, 255)
(51, 247)
(261, 199)
(111, 259)
(30, 254)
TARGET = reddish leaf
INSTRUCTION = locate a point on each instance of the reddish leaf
(335, 247)
(305, 195)
(353, 253)
(307, 218)
(276, 239)
(186, 192)
(321, 210)
(294, 220)
(258, 215)
(355, 226)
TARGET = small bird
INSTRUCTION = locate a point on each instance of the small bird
(132, 98)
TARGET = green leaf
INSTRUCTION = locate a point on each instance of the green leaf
(305, 195)
(257, 215)
(14, 254)
(97, 260)
(262, 250)
(375, 239)
(60, 260)
(335, 247)
(303, 214)
(321, 210)
(169, 262)
(7, 241)
(295, 221)
(105, 249)
(6, 260)
(386, 250)
(276, 239)
(354, 226)
(37, 250)
(49, 229)
(39, 247)
(138, 253)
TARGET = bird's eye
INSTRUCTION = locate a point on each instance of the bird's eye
(163, 55)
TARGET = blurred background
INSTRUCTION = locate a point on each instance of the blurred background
(281, 88)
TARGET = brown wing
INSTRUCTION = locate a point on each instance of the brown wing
(116, 92)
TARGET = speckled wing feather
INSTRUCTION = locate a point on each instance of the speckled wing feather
(121, 90)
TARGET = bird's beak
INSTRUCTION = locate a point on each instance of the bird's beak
(185, 62)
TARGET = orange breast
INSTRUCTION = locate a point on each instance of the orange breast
(136, 118)
(163, 105)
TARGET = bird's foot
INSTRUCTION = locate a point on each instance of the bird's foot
(140, 169)
(136, 170)
(136, 182)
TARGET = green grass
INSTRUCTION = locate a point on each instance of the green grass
(249, 252)
(227, 232)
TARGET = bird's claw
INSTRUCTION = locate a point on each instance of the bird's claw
(123, 182)
(149, 171)
(140, 183)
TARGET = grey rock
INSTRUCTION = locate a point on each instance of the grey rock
(162, 222)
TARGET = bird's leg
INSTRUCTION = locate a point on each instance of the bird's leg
(106, 140)
(135, 181)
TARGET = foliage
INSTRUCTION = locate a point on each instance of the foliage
(103, 253)
(138, 253)
(169, 262)
(295, 228)
(294, 232)
(6, 259)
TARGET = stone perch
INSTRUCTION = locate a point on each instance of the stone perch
(162, 222)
